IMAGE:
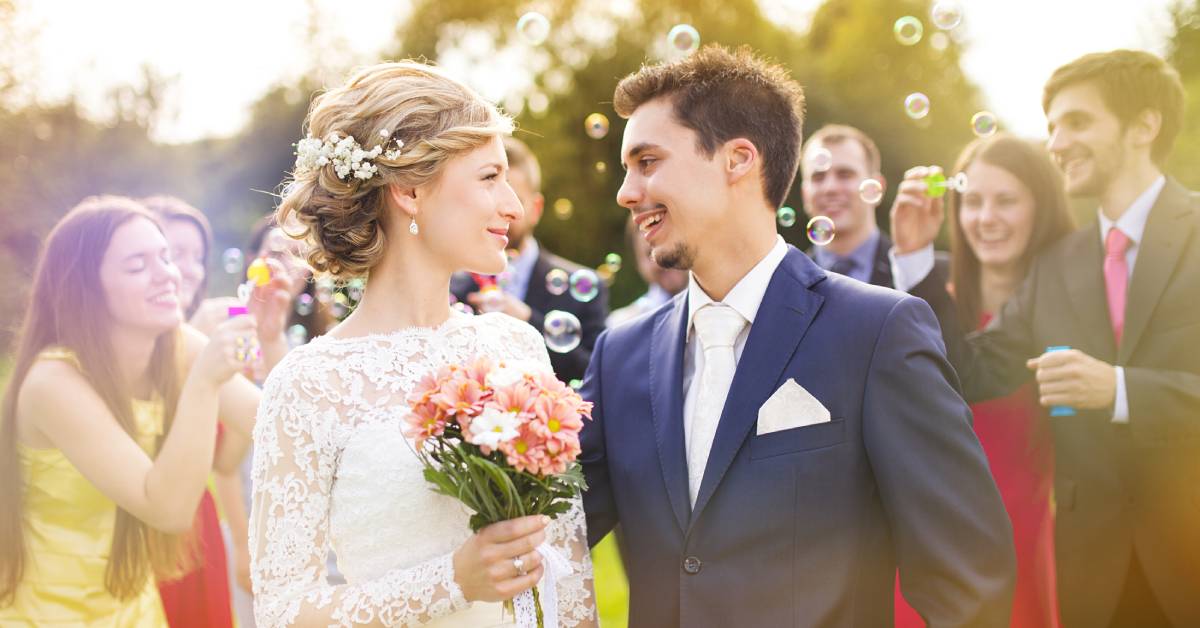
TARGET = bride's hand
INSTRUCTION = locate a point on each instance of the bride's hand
(484, 566)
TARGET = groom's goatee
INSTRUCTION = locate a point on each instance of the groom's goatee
(680, 258)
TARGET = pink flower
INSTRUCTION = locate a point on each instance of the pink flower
(426, 421)
(518, 398)
(462, 397)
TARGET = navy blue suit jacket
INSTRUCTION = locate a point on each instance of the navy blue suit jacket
(804, 526)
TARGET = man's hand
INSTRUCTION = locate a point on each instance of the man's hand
(1074, 378)
(509, 305)
(916, 218)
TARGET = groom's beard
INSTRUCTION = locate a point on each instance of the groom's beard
(681, 257)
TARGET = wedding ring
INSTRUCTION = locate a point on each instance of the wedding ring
(520, 565)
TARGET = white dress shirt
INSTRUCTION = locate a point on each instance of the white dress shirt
(912, 268)
(745, 298)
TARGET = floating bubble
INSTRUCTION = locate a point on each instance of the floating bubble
(297, 335)
(562, 331)
(821, 230)
(601, 167)
(870, 191)
(684, 38)
(575, 384)
(984, 124)
(304, 304)
(557, 281)
(232, 261)
(533, 27)
(916, 105)
(908, 30)
(462, 307)
(585, 285)
(612, 261)
(596, 125)
(324, 290)
(946, 14)
(563, 208)
(820, 160)
(939, 42)
(786, 216)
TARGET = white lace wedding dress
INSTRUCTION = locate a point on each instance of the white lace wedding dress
(332, 467)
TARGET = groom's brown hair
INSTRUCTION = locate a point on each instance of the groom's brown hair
(723, 94)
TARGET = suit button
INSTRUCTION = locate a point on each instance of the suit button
(692, 565)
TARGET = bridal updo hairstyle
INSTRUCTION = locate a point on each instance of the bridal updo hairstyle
(436, 117)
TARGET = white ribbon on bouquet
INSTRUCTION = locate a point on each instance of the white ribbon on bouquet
(555, 566)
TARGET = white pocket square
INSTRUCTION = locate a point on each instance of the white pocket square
(791, 406)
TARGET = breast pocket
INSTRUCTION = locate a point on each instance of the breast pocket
(798, 439)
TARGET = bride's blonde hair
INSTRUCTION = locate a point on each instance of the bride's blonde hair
(434, 116)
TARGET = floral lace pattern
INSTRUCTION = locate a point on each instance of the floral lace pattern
(333, 469)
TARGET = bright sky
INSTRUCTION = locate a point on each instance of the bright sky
(223, 54)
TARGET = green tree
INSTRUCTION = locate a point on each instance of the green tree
(1183, 52)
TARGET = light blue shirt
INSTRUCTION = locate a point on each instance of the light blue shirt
(519, 270)
(863, 258)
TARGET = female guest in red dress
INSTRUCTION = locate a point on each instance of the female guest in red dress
(1013, 208)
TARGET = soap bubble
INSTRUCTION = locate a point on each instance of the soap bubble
(596, 125)
(870, 191)
(562, 331)
(684, 38)
(916, 105)
(908, 30)
(557, 281)
(984, 124)
(533, 27)
(820, 160)
(946, 14)
(786, 216)
(232, 261)
(584, 285)
(821, 230)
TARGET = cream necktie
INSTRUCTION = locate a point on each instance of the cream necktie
(717, 327)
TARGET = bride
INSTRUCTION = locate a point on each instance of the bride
(402, 177)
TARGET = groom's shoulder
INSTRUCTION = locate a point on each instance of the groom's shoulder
(639, 328)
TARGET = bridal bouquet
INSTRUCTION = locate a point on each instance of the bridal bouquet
(503, 438)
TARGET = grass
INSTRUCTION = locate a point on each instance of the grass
(612, 589)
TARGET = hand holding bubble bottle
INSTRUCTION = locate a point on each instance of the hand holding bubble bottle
(1060, 410)
(258, 274)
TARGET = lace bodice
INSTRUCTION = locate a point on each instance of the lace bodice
(332, 467)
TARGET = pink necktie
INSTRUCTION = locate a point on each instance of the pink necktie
(1116, 279)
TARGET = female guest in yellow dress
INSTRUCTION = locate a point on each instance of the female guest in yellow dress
(109, 424)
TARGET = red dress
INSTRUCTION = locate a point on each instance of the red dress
(200, 598)
(1016, 437)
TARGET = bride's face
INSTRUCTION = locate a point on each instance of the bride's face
(465, 213)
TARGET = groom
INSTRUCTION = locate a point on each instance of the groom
(777, 440)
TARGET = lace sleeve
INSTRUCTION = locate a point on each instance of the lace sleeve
(294, 464)
(568, 533)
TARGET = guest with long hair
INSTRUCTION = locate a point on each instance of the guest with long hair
(109, 424)
(1013, 208)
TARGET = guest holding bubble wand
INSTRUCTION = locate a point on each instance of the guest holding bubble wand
(1121, 293)
(109, 424)
(1010, 209)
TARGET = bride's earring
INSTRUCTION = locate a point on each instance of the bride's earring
(413, 228)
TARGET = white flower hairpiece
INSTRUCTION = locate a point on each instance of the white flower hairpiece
(345, 153)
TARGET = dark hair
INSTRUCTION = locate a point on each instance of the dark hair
(68, 309)
(1031, 165)
(319, 319)
(169, 208)
(833, 134)
(723, 94)
(1130, 82)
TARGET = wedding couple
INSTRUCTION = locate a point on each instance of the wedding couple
(774, 443)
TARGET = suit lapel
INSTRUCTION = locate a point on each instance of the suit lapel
(787, 310)
(1167, 230)
(1083, 270)
(666, 403)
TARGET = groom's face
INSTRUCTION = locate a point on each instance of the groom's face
(677, 195)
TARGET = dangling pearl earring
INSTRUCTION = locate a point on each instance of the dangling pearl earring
(413, 228)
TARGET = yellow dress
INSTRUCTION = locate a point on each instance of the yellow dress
(68, 535)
